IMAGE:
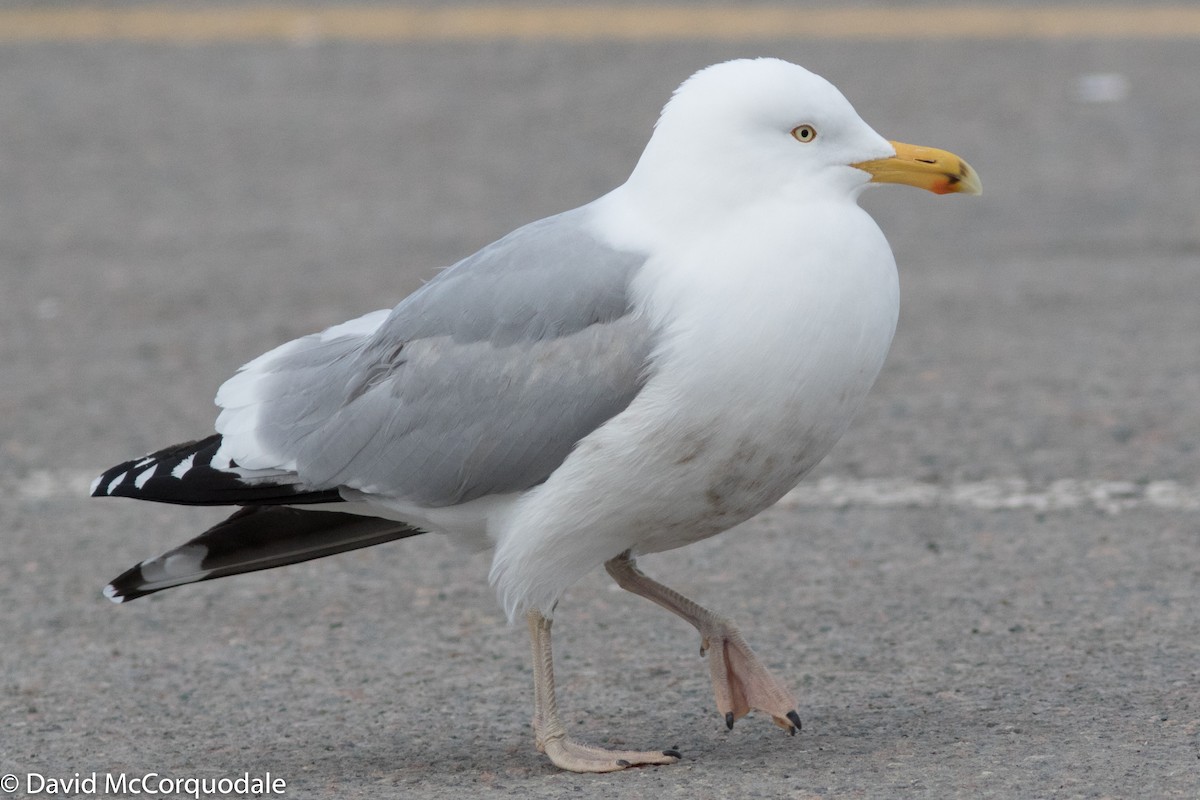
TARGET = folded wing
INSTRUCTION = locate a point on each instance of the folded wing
(479, 383)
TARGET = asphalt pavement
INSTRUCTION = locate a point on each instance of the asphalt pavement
(990, 590)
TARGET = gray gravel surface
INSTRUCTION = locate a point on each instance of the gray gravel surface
(169, 212)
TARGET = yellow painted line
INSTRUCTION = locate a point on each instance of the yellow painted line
(582, 23)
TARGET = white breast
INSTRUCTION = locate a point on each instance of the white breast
(774, 329)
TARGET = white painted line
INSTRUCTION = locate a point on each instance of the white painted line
(997, 494)
(1000, 494)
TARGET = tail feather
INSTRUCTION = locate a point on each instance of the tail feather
(256, 538)
(186, 474)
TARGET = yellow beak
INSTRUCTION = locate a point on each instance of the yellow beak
(926, 168)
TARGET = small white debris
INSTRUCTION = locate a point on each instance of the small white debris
(48, 308)
(1102, 87)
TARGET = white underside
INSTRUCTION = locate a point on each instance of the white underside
(760, 371)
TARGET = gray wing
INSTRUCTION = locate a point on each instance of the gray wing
(479, 383)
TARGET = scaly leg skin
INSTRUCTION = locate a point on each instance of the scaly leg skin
(549, 734)
(740, 682)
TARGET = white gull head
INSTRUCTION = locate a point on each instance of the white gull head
(754, 129)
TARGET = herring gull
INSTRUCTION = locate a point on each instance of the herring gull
(627, 377)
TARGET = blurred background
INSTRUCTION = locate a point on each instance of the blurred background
(994, 593)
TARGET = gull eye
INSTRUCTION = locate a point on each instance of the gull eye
(804, 133)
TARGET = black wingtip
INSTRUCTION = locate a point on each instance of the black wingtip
(129, 585)
(185, 474)
(255, 538)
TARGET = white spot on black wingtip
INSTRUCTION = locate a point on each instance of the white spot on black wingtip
(110, 592)
(140, 481)
(183, 466)
(113, 483)
(95, 485)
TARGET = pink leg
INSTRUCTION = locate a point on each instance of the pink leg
(740, 682)
(550, 736)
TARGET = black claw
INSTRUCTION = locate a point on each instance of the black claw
(729, 720)
(795, 720)
(672, 753)
(622, 762)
